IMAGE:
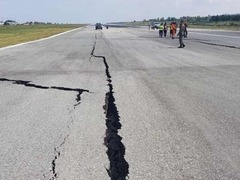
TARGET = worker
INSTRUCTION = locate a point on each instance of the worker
(165, 29)
(185, 30)
(161, 27)
(173, 29)
(181, 31)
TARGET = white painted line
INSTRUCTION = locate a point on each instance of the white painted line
(216, 35)
(43, 39)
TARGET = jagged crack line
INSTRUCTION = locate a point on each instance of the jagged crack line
(55, 175)
(57, 152)
(28, 84)
(57, 155)
(78, 99)
(94, 46)
(104, 61)
(79, 93)
(119, 167)
(221, 45)
(15, 81)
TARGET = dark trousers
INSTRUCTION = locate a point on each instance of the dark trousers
(165, 33)
(185, 33)
(160, 33)
(181, 40)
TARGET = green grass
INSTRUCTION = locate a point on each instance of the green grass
(228, 25)
(11, 35)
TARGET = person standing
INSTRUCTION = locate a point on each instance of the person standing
(165, 29)
(181, 31)
(161, 27)
(185, 30)
(173, 29)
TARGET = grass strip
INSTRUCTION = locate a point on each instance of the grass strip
(11, 35)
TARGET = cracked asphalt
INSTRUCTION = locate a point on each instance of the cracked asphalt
(121, 103)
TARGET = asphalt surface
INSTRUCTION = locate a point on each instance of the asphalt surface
(121, 103)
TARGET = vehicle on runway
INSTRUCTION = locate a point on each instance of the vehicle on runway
(98, 26)
(155, 25)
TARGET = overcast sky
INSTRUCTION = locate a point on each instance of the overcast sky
(92, 11)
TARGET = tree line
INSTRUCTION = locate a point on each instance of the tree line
(200, 19)
(235, 17)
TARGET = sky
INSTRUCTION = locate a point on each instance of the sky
(104, 11)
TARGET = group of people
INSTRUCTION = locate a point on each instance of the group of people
(163, 28)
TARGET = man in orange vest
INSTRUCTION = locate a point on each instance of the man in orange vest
(173, 28)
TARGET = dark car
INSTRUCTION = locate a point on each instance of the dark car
(98, 26)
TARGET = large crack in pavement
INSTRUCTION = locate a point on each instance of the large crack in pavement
(78, 99)
(28, 84)
(119, 167)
